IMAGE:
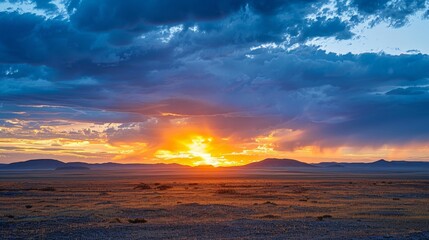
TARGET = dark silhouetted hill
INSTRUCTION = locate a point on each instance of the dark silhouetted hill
(72, 168)
(35, 164)
(379, 164)
(278, 163)
(53, 164)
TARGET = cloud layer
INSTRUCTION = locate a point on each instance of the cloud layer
(118, 76)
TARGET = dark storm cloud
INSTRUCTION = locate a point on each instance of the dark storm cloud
(374, 123)
(239, 66)
(131, 15)
(409, 91)
(137, 15)
(34, 40)
(323, 27)
(395, 12)
(345, 97)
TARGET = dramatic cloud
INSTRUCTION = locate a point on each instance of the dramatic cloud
(120, 77)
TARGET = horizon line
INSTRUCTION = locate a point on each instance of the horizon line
(208, 165)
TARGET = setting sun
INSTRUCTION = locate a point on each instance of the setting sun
(199, 148)
(196, 150)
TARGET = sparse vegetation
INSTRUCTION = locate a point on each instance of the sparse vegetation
(226, 191)
(164, 187)
(137, 220)
(142, 186)
(113, 205)
(270, 203)
(299, 190)
(320, 218)
(270, 216)
(115, 220)
(235, 186)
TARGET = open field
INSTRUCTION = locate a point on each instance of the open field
(212, 205)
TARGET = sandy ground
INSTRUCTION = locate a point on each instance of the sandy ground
(212, 205)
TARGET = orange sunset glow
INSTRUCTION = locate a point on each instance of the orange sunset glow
(177, 142)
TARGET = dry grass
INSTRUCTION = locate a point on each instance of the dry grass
(226, 191)
(299, 190)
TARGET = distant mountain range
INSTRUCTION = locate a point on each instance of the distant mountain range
(377, 164)
(53, 164)
(269, 163)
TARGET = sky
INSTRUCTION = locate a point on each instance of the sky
(214, 82)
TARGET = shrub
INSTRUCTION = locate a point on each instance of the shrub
(48, 189)
(270, 203)
(142, 186)
(270, 216)
(320, 218)
(137, 220)
(115, 220)
(163, 187)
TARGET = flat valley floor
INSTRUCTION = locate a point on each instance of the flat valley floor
(203, 204)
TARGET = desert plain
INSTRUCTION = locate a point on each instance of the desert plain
(213, 204)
